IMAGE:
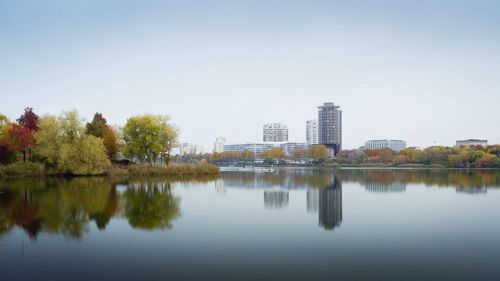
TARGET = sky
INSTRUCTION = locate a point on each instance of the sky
(427, 72)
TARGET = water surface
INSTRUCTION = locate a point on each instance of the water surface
(293, 224)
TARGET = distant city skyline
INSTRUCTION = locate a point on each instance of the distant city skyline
(425, 72)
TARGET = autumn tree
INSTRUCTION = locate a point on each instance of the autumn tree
(21, 138)
(110, 141)
(275, 153)
(29, 119)
(319, 152)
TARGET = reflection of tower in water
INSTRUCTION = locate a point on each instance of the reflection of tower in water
(330, 205)
(274, 199)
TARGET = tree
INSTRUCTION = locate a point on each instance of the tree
(319, 152)
(148, 136)
(21, 138)
(48, 140)
(274, 153)
(110, 141)
(168, 139)
(63, 144)
(4, 126)
(29, 119)
(97, 126)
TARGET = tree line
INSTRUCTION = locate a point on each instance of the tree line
(452, 157)
(67, 144)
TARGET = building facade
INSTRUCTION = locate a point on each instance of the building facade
(312, 132)
(330, 127)
(289, 147)
(472, 142)
(394, 145)
(256, 148)
(219, 144)
(275, 132)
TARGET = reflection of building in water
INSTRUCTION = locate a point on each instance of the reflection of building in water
(312, 200)
(219, 186)
(471, 190)
(394, 186)
(330, 205)
(275, 198)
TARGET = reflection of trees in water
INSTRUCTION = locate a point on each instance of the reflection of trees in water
(67, 206)
(150, 205)
(437, 177)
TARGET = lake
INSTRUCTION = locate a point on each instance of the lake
(291, 224)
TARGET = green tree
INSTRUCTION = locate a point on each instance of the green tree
(97, 126)
(149, 136)
(63, 144)
(150, 207)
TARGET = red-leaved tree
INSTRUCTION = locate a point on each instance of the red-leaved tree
(29, 119)
(21, 137)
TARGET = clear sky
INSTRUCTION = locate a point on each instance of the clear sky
(422, 71)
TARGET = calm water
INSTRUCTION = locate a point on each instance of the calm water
(294, 224)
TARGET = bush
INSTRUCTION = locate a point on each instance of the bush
(7, 152)
(24, 169)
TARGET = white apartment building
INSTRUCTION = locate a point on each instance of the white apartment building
(395, 145)
(275, 132)
(219, 144)
(312, 132)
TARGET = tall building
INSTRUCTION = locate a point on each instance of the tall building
(312, 132)
(472, 142)
(275, 132)
(219, 144)
(394, 145)
(330, 205)
(330, 127)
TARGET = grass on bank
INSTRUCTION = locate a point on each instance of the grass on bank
(30, 169)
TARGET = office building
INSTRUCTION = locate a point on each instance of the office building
(190, 149)
(394, 145)
(312, 132)
(275, 132)
(330, 127)
(219, 144)
(472, 142)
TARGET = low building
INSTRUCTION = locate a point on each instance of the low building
(472, 142)
(289, 147)
(395, 145)
(190, 149)
(256, 148)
